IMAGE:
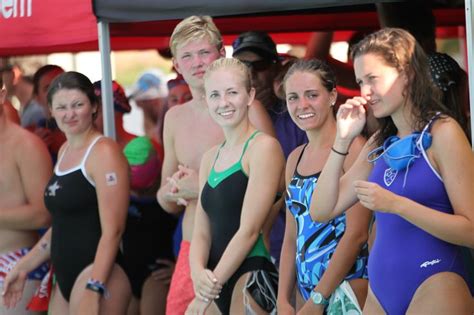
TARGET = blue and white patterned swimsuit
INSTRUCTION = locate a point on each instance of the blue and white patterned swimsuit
(316, 242)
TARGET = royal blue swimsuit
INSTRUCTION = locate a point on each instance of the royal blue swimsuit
(403, 255)
(315, 242)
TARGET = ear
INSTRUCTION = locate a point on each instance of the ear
(176, 65)
(222, 51)
(251, 96)
(333, 97)
(3, 95)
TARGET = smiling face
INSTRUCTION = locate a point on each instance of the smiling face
(192, 59)
(309, 102)
(382, 85)
(73, 111)
(227, 96)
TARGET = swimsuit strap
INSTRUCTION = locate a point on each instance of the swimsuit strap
(243, 151)
(299, 158)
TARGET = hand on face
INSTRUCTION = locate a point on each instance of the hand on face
(351, 118)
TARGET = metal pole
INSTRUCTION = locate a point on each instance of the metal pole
(470, 58)
(106, 86)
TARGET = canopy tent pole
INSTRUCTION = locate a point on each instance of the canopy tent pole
(106, 86)
(470, 58)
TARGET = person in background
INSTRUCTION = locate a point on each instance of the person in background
(36, 116)
(452, 81)
(121, 107)
(258, 51)
(25, 167)
(147, 239)
(416, 173)
(178, 92)
(149, 93)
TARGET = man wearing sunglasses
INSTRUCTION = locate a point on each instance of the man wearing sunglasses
(258, 51)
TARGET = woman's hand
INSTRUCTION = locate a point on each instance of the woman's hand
(206, 286)
(89, 304)
(374, 197)
(13, 286)
(351, 118)
(197, 307)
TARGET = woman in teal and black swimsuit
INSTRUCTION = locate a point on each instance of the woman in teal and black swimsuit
(239, 181)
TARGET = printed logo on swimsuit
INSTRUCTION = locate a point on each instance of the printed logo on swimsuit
(53, 188)
(389, 176)
(430, 263)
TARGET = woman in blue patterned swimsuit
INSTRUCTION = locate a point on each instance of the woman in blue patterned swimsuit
(326, 253)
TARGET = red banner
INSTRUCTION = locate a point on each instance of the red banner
(43, 26)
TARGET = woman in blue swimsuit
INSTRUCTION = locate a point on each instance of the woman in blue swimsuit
(416, 173)
(318, 255)
(239, 180)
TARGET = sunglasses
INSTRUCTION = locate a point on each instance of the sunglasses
(258, 65)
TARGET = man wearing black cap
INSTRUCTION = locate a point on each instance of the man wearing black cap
(258, 51)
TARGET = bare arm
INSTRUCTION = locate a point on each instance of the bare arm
(170, 166)
(108, 168)
(34, 165)
(266, 163)
(201, 244)
(332, 197)
(260, 118)
(39, 254)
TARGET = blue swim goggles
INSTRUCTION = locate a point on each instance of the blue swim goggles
(400, 153)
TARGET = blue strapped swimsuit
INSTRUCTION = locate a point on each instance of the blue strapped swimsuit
(316, 242)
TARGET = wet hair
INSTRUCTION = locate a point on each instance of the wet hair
(226, 63)
(399, 49)
(72, 80)
(42, 72)
(317, 67)
(195, 28)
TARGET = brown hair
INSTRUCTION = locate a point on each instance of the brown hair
(399, 49)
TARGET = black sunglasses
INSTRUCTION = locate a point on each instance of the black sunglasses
(258, 65)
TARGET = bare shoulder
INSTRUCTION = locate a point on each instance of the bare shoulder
(29, 142)
(445, 128)
(106, 151)
(264, 145)
(209, 155)
(180, 112)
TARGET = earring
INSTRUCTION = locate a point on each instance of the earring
(332, 104)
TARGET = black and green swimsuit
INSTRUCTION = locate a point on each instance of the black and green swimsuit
(222, 198)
